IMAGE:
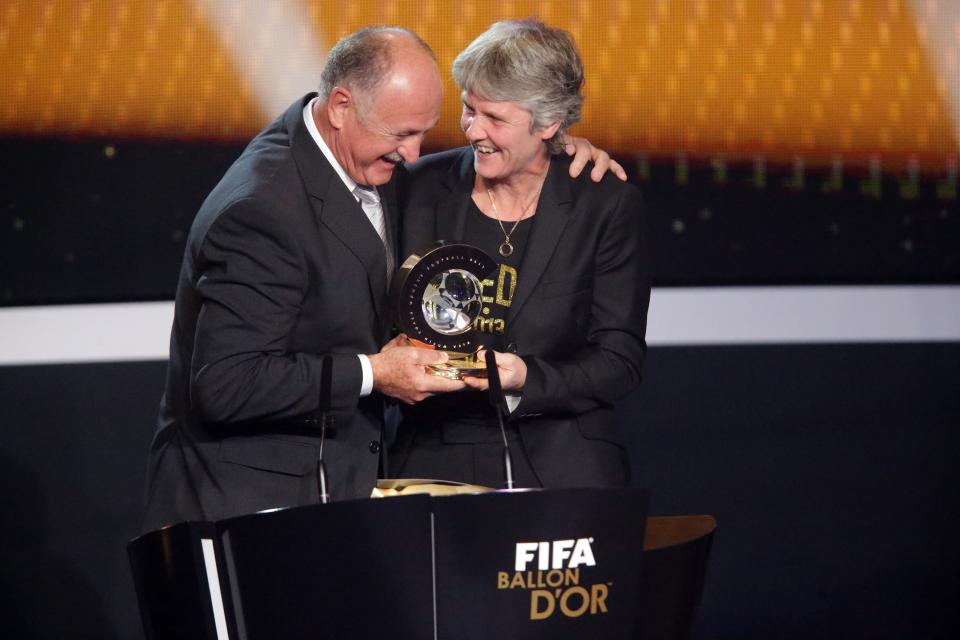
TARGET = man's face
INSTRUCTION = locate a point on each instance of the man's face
(380, 131)
(502, 136)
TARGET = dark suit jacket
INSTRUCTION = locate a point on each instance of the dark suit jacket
(578, 315)
(281, 268)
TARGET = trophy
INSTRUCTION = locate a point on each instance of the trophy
(436, 294)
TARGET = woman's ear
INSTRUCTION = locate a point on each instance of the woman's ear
(549, 131)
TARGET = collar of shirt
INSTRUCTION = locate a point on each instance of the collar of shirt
(325, 150)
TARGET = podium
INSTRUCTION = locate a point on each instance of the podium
(527, 564)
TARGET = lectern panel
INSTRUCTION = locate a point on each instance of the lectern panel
(540, 564)
(345, 570)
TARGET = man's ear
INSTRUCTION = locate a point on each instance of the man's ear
(549, 132)
(338, 105)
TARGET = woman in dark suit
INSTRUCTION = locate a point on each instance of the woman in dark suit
(565, 309)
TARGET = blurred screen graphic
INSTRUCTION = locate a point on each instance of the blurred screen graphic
(859, 82)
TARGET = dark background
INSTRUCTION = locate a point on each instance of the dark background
(110, 220)
(829, 468)
(831, 471)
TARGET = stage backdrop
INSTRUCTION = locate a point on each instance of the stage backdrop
(777, 142)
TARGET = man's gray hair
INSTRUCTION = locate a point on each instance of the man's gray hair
(526, 62)
(361, 61)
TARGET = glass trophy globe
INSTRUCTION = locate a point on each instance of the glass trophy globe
(451, 301)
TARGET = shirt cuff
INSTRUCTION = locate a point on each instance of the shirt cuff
(513, 400)
(366, 385)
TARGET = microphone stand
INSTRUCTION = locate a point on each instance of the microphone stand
(499, 404)
(326, 375)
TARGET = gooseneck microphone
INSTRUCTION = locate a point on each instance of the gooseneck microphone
(499, 404)
(326, 381)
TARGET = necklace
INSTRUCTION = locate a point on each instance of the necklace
(506, 249)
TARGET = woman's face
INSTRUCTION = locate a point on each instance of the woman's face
(504, 143)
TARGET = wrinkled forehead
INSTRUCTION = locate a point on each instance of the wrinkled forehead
(404, 110)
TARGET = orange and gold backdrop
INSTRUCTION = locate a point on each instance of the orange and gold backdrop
(858, 80)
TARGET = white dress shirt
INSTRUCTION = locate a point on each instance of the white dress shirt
(366, 386)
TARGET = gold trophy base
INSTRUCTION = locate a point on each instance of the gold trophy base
(387, 488)
(458, 366)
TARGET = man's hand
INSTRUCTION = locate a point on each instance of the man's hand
(400, 371)
(399, 340)
(582, 151)
(512, 369)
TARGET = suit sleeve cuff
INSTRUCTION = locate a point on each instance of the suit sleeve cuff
(532, 400)
(366, 384)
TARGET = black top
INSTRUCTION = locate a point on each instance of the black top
(485, 233)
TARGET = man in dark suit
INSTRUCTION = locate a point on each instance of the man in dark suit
(287, 264)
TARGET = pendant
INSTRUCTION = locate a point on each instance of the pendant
(506, 249)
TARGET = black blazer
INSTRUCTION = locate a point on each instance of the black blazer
(281, 268)
(578, 316)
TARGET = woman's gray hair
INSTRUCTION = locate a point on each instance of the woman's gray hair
(361, 61)
(526, 62)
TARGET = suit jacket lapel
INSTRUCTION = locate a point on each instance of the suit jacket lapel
(553, 211)
(451, 210)
(335, 207)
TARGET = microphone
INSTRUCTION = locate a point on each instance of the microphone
(499, 404)
(326, 381)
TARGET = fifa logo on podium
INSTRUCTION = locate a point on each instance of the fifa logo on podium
(559, 554)
(555, 584)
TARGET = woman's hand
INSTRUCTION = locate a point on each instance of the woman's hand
(583, 151)
(512, 369)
